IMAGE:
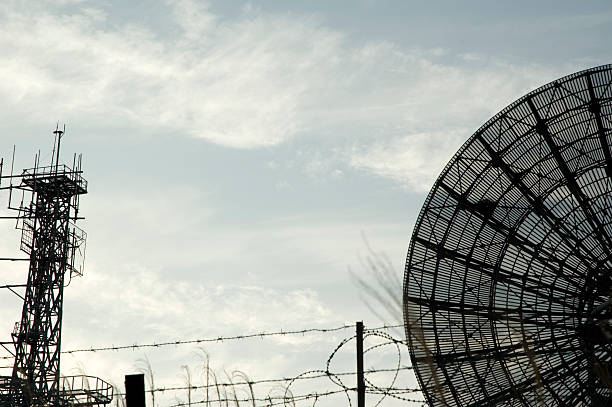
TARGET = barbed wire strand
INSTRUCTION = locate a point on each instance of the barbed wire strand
(271, 400)
(216, 339)
(275, 400)
(375, 332)
(279, 380)
(405, 394)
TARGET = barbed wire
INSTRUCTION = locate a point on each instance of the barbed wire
(405, 394)
(272, 400)
(390, 390)
(276, 400)
(382, 339)
(216, 339)
(303, 376)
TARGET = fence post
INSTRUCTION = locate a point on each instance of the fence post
(360, 381)
(134, 390)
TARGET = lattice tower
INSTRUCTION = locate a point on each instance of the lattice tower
(54, 245)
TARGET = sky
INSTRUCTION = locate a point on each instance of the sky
(243, 158)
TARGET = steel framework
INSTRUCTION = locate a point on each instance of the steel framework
(46, 216)
(507, 286)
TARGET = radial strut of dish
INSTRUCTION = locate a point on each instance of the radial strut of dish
(507, 287)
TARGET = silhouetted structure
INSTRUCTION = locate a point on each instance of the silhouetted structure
(46, 216)
(135, 390)
(507, 289)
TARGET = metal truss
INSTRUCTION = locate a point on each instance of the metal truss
(507, 286)
(46, 216)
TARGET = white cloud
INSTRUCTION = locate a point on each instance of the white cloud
(193, 17)
(444, 105)
(413, 160)
(238, 85)
(253, 82)
(137, 305)
(166, 308)
(259, 81)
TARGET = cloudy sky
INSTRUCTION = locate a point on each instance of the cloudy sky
(242, 155)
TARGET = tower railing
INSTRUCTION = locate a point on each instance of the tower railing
(85, 391)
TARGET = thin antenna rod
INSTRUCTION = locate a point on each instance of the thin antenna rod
(58, 138)
(11, 179)
(54, 143)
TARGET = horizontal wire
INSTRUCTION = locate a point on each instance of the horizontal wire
(222, 338)
(391, 391)
(204, 340)
(278, 400)
(284, 379)
(269, 399)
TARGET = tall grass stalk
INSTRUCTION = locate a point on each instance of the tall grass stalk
(144, 366)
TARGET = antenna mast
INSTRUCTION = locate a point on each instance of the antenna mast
(53, 243)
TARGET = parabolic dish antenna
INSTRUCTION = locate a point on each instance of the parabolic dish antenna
(507, 286)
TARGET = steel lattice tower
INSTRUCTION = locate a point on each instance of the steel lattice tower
(53, 243)
(46, 238)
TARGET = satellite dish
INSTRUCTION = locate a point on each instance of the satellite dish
(508, 281)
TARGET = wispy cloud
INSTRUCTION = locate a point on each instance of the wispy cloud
(246, 83)
(413, 160)
(445, 104)
(238, 85)
(167, 309)
(134, 304)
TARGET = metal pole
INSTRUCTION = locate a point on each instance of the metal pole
(360, 381)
